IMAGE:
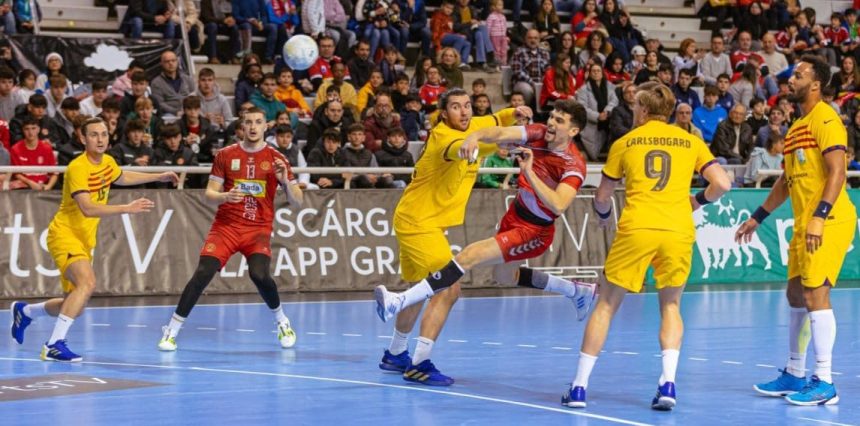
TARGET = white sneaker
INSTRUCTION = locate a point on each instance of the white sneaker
(584, 298)
(167, 342)
(286, 335)
(388, 304)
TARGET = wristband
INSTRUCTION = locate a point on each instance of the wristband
(701, 199)
(823, 209)
(603, 216)
(760, 215)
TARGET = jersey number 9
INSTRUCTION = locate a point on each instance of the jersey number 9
(662, 174)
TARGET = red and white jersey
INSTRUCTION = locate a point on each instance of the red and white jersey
(739, 57)
(552, 167)
(322, 68)
(254, 173)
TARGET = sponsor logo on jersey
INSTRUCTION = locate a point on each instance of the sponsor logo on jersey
(254, 188)
(235, 164)
(265, 166)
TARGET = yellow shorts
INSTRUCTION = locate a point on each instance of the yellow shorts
(67, 250)
(422, 252)
(670, 253)
(814, 269)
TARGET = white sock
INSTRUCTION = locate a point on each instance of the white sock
(798, 341)
(823, 326)
(670, 365)
(422, 350)
(60, 329)
(279, 315)
(175, 325)
(35, 310)
(560, 285)
(399, 343)
(418, 293)
(583, 370)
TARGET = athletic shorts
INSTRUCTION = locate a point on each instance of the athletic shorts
(823, 266)
(520, 239)
(225, 240)
(422, 252)
(67, 249)
(633, 251)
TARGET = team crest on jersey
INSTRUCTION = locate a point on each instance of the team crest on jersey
(252, 187)
(210, 247)
(265, 166)
(235, 165)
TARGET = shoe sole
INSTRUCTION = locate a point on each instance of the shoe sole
(288, 345)
(664, 403)
(574, 404)
(430, 383)
(47, 358)
(780, 394)
(379, 295)
(166, 349)
(391, 368)
(831, 401)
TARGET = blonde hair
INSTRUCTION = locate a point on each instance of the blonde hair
(657, 99)
(457, 58)
(142, 103)
(497, 4)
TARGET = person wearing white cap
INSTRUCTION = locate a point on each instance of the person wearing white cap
(637, 60)
(53, 65)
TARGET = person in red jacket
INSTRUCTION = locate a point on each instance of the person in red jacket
(32, 151)
(4, 135)
(558, 82)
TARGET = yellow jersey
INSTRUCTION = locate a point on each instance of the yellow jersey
(83, 176)
(658, 161)
(809, 138)
(441, 182)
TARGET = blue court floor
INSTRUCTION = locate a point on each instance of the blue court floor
(512, 358)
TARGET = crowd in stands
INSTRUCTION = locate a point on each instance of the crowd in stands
(360, 104)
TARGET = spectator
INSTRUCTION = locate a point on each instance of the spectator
(4, 135)
(198, 132)
(139, 89)
(598, 97)
(421, 67)
(122, 85)
(649, 71)
(664, 74)
(360, 66)
(688, 58)
(331, 94)
(75, 146)
(347, 92)
(56, 93)
(24, 15)
(376, 17)
(264, 98)
(624, 37)
(290, 95)
(411, 119)
(621, 118)
(708, 116)
(328, 154)
(834, 39)
(767, 158)
(33, 151)
(9, 98)
(192, 24)
(776, 125)
(585, 22)
(400, 91)
(595, 48)
(548, 24)
(716, 62)
(383, 119)
(333, 118)
(568, 45)
(653, 45)
(323, 68)
(498, 160)
(291, 151)
(171, 86)
(442, 27)
(245, 87)
(431, 90)
(63, 120)
(791, 40)
(684, 119)
(152, 123)
(733, 140)
(497, 26)
(356, 155)
(775, 60)
(53, 67)
(37, 109)
(285, 16)
(558, 83)
(252, 19)
(468, 21)
(395, 153)
(213, 105)
(134, 150)
(368, 93)
(26, 84)
(115, 122)
(452, 75)
(615, 69)
(479, 87)
(388, 66)
(7, 19)
(726, 100)
(313, 18)
(5, 160)
(217, 17)
(758, 117)
(682, 90)
(336, 20)
(743, 90)
(171, 150)
(853, 165)
(848, 77)
(753, 21)
(154, 14)
(92, 105)
(481, 105)
(744, 52)
(528, 65)
(854, 131)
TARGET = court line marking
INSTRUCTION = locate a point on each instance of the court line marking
(351, 335)
(458, 341)
(491, 343)
(315, 333)
(765, 365)
(245, 330)
(526, 346)
(562, 348)
(364, 383)
(825, 421)
(625, 353)
(207, 328)
(733, 362)
(697, 359)
(100, 325)
(384, 337)
(137, 326)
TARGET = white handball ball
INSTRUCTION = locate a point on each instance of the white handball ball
(300, 52)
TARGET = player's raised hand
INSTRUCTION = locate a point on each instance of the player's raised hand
(469, 150)
(140, 205)
(745, 232)
(523, 112)
(281, 169)
(526, 157)
(169, 177)
(235, 195)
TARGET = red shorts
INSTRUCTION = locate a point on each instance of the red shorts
(521, 240)
(225, 240)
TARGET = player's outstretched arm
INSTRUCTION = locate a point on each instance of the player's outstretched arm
(91, 209)
(557, 199)
(602, 202)
(491, 135)
(130, 178)
(778, 194)
(719, 183)
(294, 193)
(214, 195)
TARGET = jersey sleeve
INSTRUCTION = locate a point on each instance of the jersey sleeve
(829, 132)
(115, 171)
(452, 148)
(534, 133)
(614, 169)
(505, 117)
(78, 177)
(290, 176)
(704, 157)
(218, 173)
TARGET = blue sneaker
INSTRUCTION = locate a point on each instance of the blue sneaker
(664, 400)
(20, 321)
(785, 384)
(59, 352)
(397, 363)
(574, 397)
(815, 392)
(426, 374)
